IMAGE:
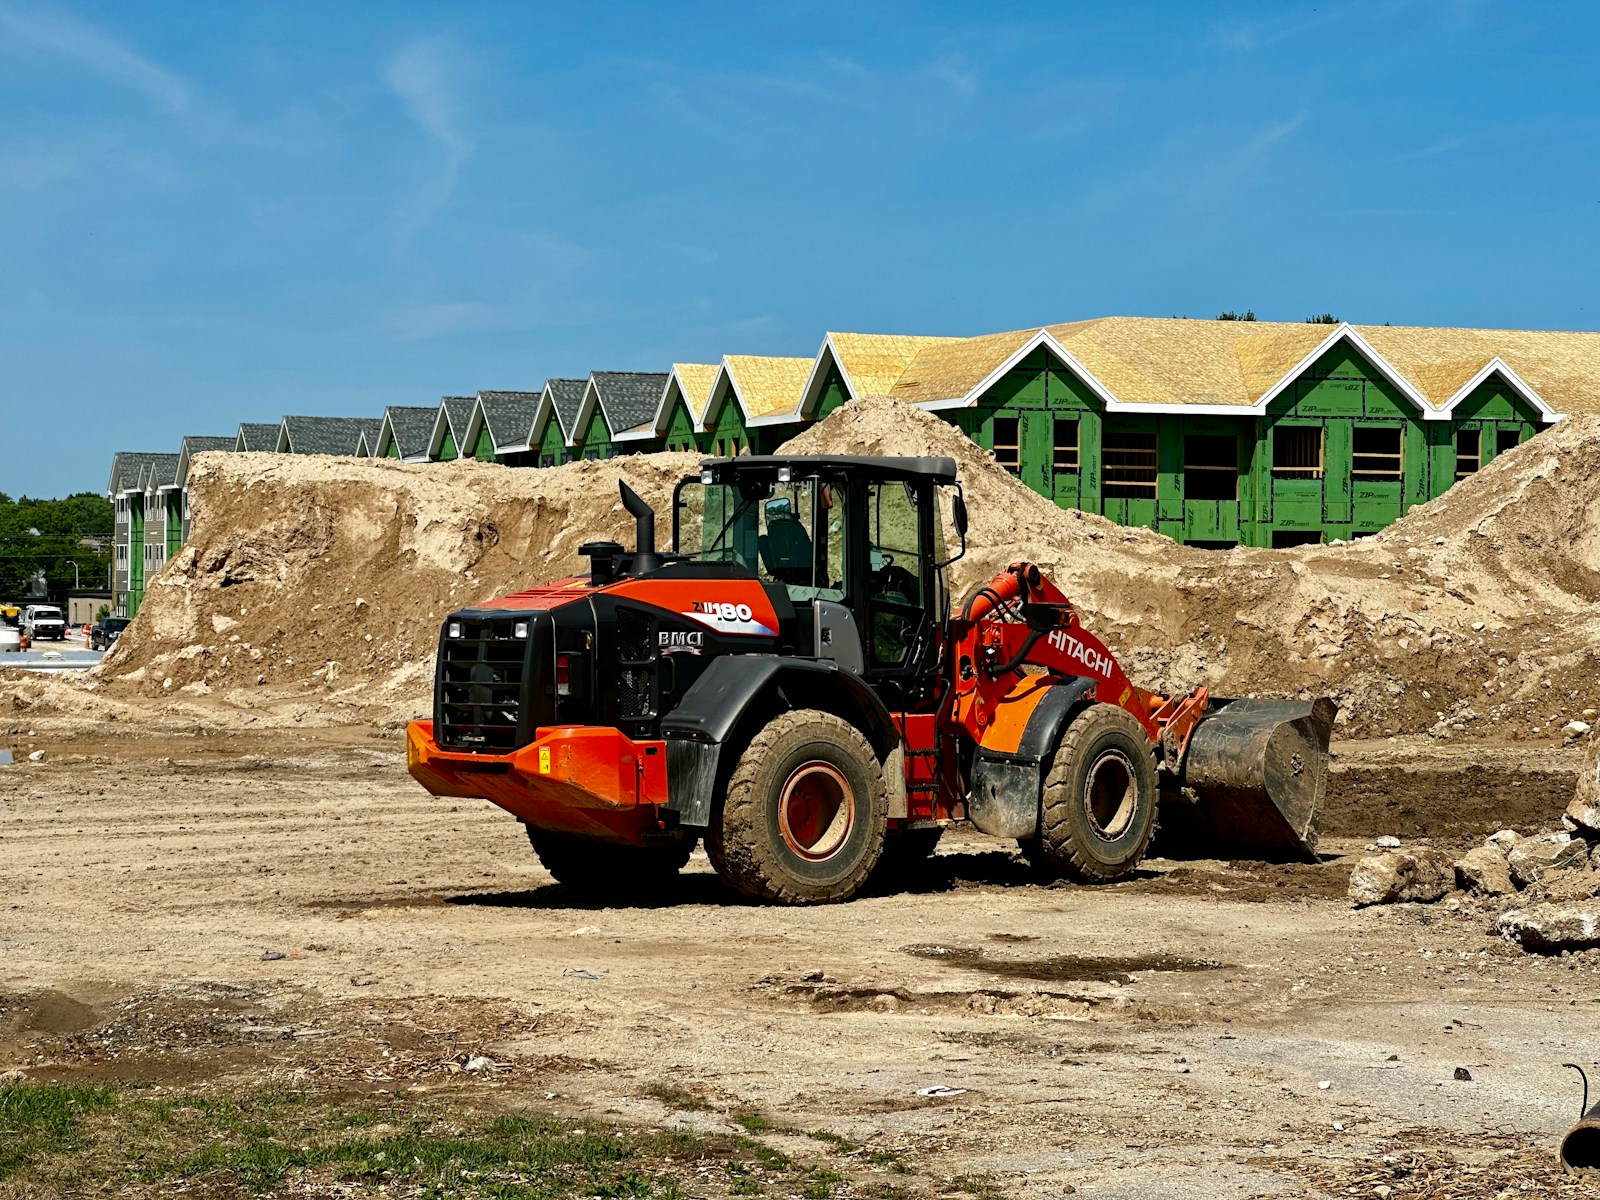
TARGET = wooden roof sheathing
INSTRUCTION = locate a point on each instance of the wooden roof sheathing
(768, 387)
(948, 368)
(695, 381)
(872, 362)
(1563, 368)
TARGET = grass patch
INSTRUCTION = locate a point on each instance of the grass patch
(676, 1097)
(37, 1118)
(83, 1140)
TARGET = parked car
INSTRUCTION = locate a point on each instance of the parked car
(106, 631)
(41, 621)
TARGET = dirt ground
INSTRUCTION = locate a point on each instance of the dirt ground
(216, 913)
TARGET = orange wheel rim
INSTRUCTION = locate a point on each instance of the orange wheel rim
(815, 811)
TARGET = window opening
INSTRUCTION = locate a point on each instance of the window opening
(1211, 467)
(1008, 443)
(1297, 451)
(1065, 455)
(1128, 465)
(1468, 460)
(1375, 453)
(1507, 439)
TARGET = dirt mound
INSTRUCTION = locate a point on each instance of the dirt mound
(1473, 616)
(312, 588)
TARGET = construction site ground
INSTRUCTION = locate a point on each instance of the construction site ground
(285, 923)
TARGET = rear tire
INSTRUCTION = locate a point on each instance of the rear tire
(1098, 811)
(602, 870)
(805, 812)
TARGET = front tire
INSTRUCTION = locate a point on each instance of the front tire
(606, 870)
(1099, 806)
(804, 817)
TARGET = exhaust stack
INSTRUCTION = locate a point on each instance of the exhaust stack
(645, 558)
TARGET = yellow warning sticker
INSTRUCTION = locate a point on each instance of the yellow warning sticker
(544, 760)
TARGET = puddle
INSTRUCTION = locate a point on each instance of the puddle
(1064, 968)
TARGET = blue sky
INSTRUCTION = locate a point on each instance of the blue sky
(225, 212)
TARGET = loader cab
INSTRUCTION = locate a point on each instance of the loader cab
(857, 545)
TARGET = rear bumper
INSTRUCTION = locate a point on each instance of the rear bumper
(577, 779)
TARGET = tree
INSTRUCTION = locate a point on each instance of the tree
(47, 536)
(1247, 315)
(1323, 319)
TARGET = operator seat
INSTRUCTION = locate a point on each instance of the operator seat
(786, 550)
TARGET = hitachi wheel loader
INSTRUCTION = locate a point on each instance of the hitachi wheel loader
(791, 686)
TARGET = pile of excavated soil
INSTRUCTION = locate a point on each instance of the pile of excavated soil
(1475, 615)
(312, 588)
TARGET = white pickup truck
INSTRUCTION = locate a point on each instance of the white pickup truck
(40, 621)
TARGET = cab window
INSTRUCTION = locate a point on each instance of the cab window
(895, 570)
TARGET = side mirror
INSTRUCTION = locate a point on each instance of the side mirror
(958, 513)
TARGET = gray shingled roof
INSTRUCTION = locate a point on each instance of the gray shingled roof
(628, 398)
(567, 397)
(127, 470)
(256, 435)
(411, 427)
(509, 416)
(327, 435)
(159, 470)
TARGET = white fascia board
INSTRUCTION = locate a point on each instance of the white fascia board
(1498, 366)
(1345, 332)
(418, 458)
(586, 406)
(718, 397)
(637, 434)
(664, 405)
(282, 446)
(541, 415)
(788, 418)
(436, 440)
(385, 436)
(475, 422)
(811, 394)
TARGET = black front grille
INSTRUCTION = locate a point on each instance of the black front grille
(636, 656)
(480, 697)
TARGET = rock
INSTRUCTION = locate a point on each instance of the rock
(1532, 859)
(1401, 876)
(36, 756)
(1569, 886)
(1552, 928)
(1463, 1075)
(1484, 870)
(273, 955)
(1505, 839)
(1575, 729)
(1387, 842)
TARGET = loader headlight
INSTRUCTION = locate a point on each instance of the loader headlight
(520, 629)
(707, 478)
(785, 474)
(453, 630)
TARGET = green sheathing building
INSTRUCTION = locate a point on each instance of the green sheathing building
(135, 552)
(552, 447)
(1341, 453)
(727, 435)
(447, 448)
(833, 394)
(174, 502)
(595, 440)
(681, 433)
(483, 448)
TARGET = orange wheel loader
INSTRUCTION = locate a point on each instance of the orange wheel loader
(790, 685)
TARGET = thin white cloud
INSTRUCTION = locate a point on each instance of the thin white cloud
(422, 75)
(98, 52)
(1226, 170)
(1258, 35)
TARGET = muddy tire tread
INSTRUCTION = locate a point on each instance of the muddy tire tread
(737, 844)
(1057, 846)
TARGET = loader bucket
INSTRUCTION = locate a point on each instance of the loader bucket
(1253, 780)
